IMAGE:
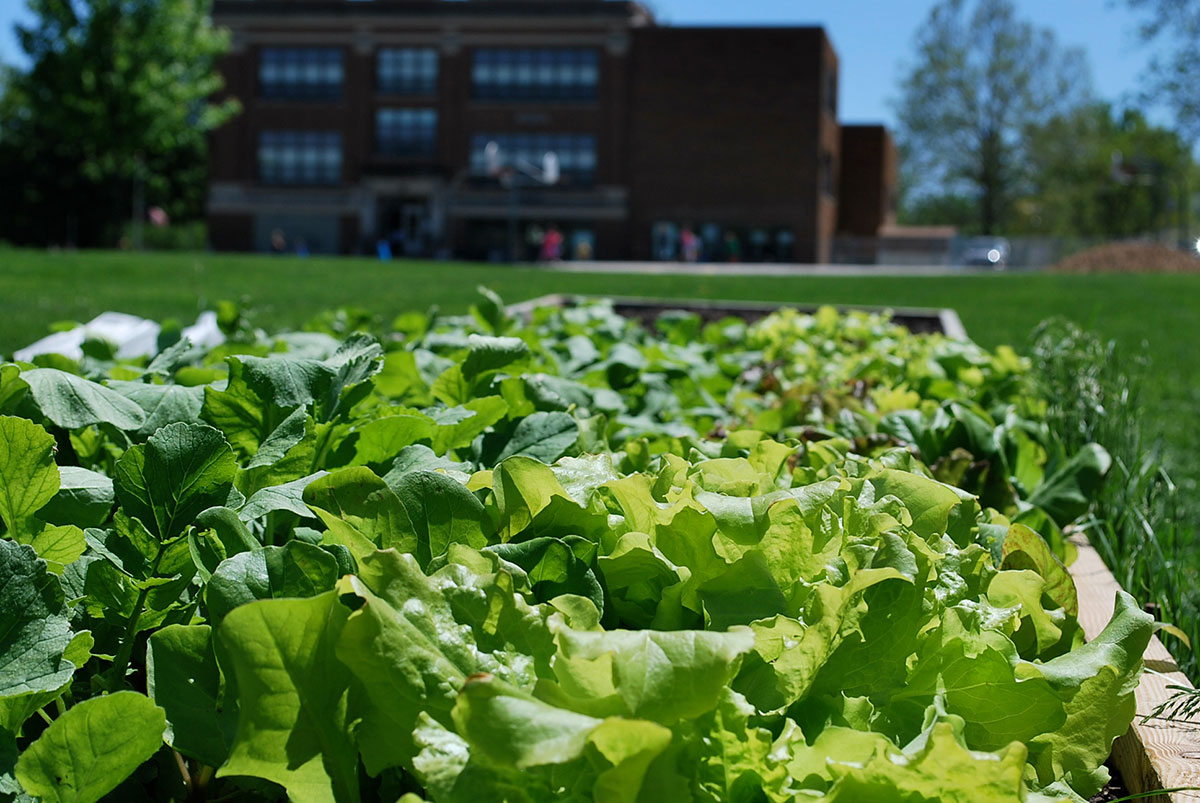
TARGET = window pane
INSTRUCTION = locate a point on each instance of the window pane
(300, 73)
(300, 157)
(543, 74)
(407, 70)
(576, 152)
(409, 133)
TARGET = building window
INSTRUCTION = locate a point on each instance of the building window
(407, 70)
(831, 91)
(828, 179)
(576, 152)
(535, 74)
(300, 73)
(409, 133)
(300, 157)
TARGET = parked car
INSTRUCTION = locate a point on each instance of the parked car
(990, 252)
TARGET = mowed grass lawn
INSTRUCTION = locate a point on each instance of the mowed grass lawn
(1155, 315)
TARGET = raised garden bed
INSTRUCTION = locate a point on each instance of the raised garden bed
(1155, 753)
(481, 558)
(919, 320)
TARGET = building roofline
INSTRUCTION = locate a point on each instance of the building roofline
(670, 26)
(636, 13)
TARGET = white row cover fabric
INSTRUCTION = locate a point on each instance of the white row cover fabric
(132, 336)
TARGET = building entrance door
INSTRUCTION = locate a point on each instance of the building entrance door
(406, 226)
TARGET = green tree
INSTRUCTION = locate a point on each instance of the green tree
(981, 80)
(1103, 172)
(118, 93)
(941, 209)
(1174, 27)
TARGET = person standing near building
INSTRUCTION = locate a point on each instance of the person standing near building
(689, 244)
(733, 247)
(552, 245)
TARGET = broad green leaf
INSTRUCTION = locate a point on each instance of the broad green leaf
(129, 546)
(533, 502)
(450, 774)
(295, 569)
(977, 672)
(181, 470)
(77, 760)
(556, 566)
(28, 477)
(182, 677)
(469, 422)
(420, 458)
(736, 761)
(400, 379)
(646, 588)
(34, 630)
(409, 659)
(487, 354)
(1023, 589)
(218, 534)
(282, 439)
(661, 676)
(12, 387)
(294, 727)
(1067, 491)
(8, 764)
(542, 436)
(1025, 549)
(451, 387)
(518, 730)
(289, 497)
(789, 653)
(523, 735)
(361, 511)
(413, 640)
(1096, 682)
(490, 310)
(84, 498)
(287, 382)
(245, 418)
(356, 360)
(72, 402)
(161, 404)
(59, 545)
(440, 511)
(383, 439)
(944, 770)
(928, 502)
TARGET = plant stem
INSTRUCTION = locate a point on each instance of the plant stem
(183, 772)
(121, 662)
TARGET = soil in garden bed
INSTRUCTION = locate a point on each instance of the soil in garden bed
(646, 313)
(1114, 790)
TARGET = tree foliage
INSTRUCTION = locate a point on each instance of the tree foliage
(981, 81)
(1175, 26)
(116, 91)
(1104, 172)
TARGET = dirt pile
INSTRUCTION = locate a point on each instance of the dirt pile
(1129, 257)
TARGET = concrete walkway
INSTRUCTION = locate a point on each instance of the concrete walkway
(757, 269)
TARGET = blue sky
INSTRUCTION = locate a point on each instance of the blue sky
(873, 38)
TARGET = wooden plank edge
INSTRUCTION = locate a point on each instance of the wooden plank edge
(1154, 753)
